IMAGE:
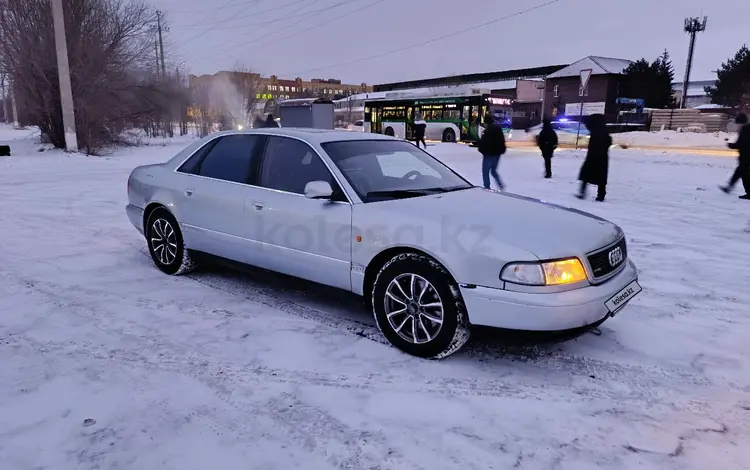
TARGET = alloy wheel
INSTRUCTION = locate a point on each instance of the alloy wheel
(164, 241)
(413, 308)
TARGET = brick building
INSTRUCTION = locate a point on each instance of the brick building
(563, 96)
(275, 88)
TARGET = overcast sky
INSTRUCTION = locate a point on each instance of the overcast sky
(304, 38)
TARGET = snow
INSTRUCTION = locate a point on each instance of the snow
(655, 140)
(713, 140)
(257, 371)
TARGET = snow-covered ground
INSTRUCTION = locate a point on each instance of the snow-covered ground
(228, 371)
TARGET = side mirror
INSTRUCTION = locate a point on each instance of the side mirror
(318, 190)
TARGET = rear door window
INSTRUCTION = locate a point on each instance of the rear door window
(230, 159)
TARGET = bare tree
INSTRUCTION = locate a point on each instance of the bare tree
(111, 55)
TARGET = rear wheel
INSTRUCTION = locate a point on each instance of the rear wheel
(418, 307)
(165, 243)
(389, 131)
(449, 135)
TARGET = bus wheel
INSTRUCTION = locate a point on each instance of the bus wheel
(389, 132)
(449, 135)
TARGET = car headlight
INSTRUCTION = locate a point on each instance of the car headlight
(550, 273)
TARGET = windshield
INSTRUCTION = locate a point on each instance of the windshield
(381, 170)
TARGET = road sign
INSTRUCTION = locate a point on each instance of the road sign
(585, 75)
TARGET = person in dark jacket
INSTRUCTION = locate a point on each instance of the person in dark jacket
(596, 166)
(420, 127)
(547, 142)
(491, 145)
(258, 122)
(271, 122)
(743, 146)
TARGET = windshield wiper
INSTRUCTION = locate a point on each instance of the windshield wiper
(414, 192)
(400, 193)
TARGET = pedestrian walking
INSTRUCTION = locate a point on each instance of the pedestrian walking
(595, 168)
(742, 145)
(271, 122)
(420, 128)
(491, 145)
(547, 142)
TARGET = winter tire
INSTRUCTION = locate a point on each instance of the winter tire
(165, 243)
(389, 132)
(449, 135)
(418, 307)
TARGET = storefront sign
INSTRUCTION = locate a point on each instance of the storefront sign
(574, 109)
(501, 101)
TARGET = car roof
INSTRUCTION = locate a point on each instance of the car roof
(310, 135)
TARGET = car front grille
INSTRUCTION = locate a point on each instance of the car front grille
(609, 259)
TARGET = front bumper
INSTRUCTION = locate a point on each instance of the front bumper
(544, 312)
(135, 214)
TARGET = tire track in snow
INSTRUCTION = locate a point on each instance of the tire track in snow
(643, 384)
(146, 348)
(644, 376)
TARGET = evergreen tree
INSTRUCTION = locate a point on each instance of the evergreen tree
(636, 77)
(652, 82)
(662, 93)
(732, 86)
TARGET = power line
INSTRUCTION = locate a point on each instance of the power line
(212, 15)
(328, 21)
(238, 26)
(262, 24)
(217, 7)
(439, 38)
(252, 40)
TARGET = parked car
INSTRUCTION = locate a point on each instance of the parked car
(567, 132)
(358, 126)
(430, 252)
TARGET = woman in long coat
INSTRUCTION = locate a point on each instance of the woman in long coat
(595, 168)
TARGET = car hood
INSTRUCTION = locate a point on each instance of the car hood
(548, 231)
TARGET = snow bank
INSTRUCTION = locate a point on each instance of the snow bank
(715, 140)
(8, 133)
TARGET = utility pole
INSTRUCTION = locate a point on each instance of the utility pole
(13, 104)
(161, 43)
(693, 26)
(4, 97)
(63, 72)
(156, 49)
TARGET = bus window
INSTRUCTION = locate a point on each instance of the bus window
(452, 114)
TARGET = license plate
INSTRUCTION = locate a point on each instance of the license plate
(618, 301)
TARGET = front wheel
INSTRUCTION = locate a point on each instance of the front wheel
(449, 135)
(165, 243)
(418, 307)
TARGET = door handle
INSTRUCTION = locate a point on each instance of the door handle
(258, 205)
(189, 192)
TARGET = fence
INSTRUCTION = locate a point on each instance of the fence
(674, 119)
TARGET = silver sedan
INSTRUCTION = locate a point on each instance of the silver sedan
(370, 214)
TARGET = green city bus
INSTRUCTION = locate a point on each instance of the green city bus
(451, 116)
